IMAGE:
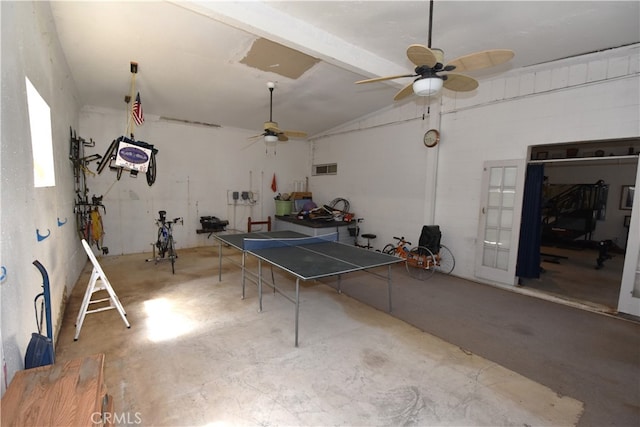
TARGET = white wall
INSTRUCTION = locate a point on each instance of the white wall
(30, 48)
(196, 167)
(382, 173)
(587, 98)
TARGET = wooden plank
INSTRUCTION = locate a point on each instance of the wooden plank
(67, 393)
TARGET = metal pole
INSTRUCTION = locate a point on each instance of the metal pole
(297, 306)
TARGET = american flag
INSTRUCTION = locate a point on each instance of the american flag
(138, 115)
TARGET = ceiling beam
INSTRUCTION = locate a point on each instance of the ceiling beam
(263, 21)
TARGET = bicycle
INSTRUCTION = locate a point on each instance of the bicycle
(89, 222)
(88, 219)
(80, 163)
(421, 263)
(165, 243)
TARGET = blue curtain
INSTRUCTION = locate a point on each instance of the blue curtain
(531, 224)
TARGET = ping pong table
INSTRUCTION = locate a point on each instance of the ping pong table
(304, 257)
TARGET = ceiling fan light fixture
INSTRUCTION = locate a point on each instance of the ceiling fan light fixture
(271, 139)
(427, 86)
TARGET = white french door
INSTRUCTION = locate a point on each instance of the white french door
(499, 223)
(629, 299)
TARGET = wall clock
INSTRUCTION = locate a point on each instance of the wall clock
(431, 138)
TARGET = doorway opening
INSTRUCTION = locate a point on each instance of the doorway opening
(584, 214)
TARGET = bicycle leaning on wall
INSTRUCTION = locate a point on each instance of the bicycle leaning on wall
(165, 244)
(87, 212)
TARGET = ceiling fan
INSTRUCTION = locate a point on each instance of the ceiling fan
(272, 133)
(432, 73)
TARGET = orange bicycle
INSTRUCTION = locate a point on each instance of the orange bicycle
(421, 263)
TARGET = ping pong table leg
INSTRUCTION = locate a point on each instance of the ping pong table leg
(260, 285)
(339, 283)
(244, 255)
(219, 261)
(297, 306)
(389, 286)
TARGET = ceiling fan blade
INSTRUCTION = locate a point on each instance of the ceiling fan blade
(483, 59)
(460, 82)
(256, 136)
(286, 133)
(379, 79)
(295, 134)
(404, 92)
(422, 55)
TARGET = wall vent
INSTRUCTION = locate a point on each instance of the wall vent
(326, 169)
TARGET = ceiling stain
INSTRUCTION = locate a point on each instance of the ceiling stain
(269, 56)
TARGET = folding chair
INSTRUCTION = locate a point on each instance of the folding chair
(268, 224)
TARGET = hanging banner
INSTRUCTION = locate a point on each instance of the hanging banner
(133, 157)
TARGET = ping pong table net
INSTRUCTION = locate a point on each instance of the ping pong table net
(252, 223)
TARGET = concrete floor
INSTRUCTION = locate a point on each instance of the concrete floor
(570, 273)
(196, 354)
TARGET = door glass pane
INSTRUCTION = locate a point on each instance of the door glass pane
(495, 178)
(494, 197)
(502, 260)
(490, 237)
(505, 239)
(510, 175)
(508, 198)
(506, 218)
(489, 258)
(492, 217)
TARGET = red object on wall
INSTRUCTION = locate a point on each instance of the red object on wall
(274, 185)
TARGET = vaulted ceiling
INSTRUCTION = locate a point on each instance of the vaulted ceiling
(210, 62)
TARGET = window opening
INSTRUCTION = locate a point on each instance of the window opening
(41, 141)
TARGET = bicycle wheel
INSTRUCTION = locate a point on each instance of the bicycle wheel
(106, 159)
(445, 261)
(87, 230)
(81, 225)
(97, 232)
(172, 254)
(389, 249)
(420, 263)
(151, 171)
(161, 243)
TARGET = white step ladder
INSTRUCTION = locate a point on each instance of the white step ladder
(97, 282)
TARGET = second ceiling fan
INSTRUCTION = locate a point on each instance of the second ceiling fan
(432, 73)
(271, 131)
